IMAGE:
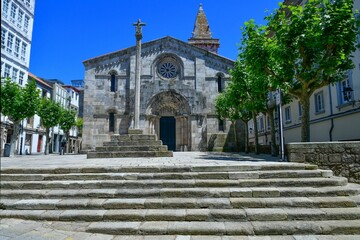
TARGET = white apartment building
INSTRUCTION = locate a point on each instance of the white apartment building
(334, 111)
(73, 97)
(17, 18)
(35, 139)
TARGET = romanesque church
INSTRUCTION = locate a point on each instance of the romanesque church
(179, 83)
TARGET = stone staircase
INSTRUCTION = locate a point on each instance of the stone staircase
(239, 199)
(131, 145)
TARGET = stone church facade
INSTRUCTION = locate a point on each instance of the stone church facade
(179, 83)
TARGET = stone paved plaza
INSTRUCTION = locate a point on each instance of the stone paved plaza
(12, 228)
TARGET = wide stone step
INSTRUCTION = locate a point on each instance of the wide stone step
(142, 148)
(129, 154)
(133, 137)
(171, 202)
(227, 228)
(185, 175)
(134, 143)
(209, 215)
(164, 169)
(189, 183)
(257, 192)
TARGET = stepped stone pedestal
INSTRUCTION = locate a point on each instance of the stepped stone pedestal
(134, 144)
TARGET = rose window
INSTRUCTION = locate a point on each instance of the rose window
(168, 70)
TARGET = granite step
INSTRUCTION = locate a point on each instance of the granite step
(128, 154)
(207, 215)
(133, 137)
(191, 202)
(188, 183)
(274, 166)
(249, 192)
(142, 148)
(185, 175)
(134, 143)
(226, 228)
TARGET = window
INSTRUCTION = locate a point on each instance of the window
(113, 83)
(261, 124)
(268, 122)
(27, 3)
(21, 77)
(221, 125)
(13, 12)
(17, 47)
(300, 109)
(26, 23)
(10, 43)
(44, 93)
(319, 102)
(3, 37)
(7, 71)
(5, 8)
(20, 18)
(111, 122)
(345, 90)
(287, 114)
(15, 74)
(23, 51)
(220, 84)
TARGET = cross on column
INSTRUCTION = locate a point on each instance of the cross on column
(138, 26)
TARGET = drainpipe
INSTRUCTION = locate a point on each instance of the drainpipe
(331, 114)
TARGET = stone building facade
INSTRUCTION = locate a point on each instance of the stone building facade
(179, 84)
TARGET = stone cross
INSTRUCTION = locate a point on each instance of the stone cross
(138, 26)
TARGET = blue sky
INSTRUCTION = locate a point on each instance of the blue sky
(67, 32)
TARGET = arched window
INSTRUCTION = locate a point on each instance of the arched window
(113, 87)
(220, 84)
(112, 122)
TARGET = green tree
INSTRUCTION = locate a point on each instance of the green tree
(50, 113)
(257, 53)
(227, 109)
(18, 103)
(67, 121)
(250, 91)
(228, 106)
(313, 43)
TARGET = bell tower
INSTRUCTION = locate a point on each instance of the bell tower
(201, 35)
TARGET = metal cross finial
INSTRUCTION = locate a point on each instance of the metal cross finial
(138, 26)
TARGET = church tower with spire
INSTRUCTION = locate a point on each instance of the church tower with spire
(201, 35)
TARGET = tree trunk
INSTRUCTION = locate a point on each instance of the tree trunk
(256, 134)
(246, 136)
(46, 152)
(270, 112)
(235, 136)
(14, 137)
(305, 118)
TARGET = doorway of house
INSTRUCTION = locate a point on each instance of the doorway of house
(168, 132)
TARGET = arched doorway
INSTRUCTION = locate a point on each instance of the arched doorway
(168, 117)
(168, 132)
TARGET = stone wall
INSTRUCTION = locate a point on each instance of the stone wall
(343, 158)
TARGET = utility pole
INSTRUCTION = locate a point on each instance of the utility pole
(138, 26)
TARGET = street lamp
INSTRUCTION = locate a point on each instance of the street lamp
(21, 137)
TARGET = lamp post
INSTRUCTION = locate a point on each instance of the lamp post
(281, 126)
(21, 137)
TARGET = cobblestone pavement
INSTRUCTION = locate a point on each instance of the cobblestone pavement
(180, 158)
(25, 229)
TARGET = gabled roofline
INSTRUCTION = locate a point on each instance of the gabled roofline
(145, 44)
(72, 87)
(39, 80)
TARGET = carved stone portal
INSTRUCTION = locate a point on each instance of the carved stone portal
(170, 104)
